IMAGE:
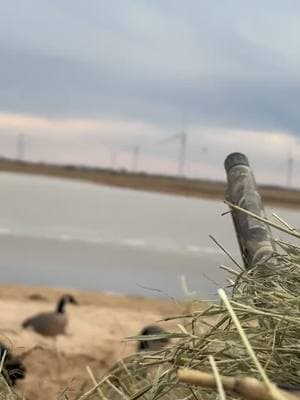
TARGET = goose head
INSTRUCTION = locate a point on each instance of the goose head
(67, 298)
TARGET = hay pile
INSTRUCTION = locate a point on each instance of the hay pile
(6, 392)
(266, 302)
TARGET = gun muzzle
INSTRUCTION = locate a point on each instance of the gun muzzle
(254, 237)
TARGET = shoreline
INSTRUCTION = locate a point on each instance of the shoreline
(199, 188)
(46, 294)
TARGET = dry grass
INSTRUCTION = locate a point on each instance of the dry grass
(254, 334)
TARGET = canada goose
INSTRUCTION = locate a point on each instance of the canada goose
(13, 368)
(133, 366)
(154, 344)
(51, 323)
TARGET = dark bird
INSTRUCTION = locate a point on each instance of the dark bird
(290, 387)
(13, 368)
(152, 344)
(51, 323)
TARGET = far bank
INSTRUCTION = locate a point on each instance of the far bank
(181, 186)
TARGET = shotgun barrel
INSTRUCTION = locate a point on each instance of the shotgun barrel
(254, 237)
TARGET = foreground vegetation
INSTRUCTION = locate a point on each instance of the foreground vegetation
(255, 334)
(243, 347)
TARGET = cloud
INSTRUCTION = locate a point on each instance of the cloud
(148, 61)
(59, 87)
(122, 73)
(109, 143)
(30, 124)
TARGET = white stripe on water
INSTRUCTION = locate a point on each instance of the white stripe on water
(60, 232)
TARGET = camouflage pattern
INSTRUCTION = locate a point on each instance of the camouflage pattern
(254, 237)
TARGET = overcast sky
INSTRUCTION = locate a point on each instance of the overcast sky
(87, 80)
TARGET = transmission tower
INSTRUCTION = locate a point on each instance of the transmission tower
(182, 138)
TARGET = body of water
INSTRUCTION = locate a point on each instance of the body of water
(73, 234)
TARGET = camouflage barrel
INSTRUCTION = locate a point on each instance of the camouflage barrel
(254, 237)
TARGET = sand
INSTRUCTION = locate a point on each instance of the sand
(95, 337)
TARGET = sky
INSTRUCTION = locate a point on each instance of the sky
(86, 82)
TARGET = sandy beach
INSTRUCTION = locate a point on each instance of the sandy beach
(97, 327)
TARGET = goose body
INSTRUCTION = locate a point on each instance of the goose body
(50, 323)
(154, 344)
(47, 324)
(133, 366)
(13, 368)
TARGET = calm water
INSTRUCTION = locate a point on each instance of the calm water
(65, 233)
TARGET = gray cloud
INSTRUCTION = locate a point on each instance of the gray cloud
(64, 87)
(150, 61)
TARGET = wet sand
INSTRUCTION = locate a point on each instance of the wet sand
(95, 336)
